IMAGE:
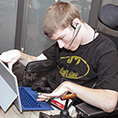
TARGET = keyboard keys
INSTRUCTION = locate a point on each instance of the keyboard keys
(26, 100)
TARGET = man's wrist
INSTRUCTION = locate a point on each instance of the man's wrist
(67, 86)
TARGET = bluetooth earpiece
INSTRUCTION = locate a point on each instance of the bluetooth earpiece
(77, 28)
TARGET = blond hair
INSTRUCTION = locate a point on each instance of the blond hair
(59, 16)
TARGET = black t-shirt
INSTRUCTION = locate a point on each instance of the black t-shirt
(92, 65)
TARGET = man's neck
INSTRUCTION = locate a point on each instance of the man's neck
(89, 34)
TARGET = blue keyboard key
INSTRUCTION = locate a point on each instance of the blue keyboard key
(26, 100)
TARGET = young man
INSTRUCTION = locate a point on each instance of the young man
(87, 64)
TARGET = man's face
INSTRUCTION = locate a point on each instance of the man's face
(64, 37)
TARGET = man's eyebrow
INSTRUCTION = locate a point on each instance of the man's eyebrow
(60, 37)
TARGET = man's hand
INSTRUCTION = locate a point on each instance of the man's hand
(10, 57)
(57, 93)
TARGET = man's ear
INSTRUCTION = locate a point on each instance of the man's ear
(75, 22)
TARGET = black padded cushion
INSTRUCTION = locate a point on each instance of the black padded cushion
(108, 15)
(88, 111)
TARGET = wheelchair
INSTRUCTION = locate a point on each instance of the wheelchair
(108, 16)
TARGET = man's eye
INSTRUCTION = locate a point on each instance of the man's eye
(62, 38)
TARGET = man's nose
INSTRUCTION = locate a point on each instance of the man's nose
(60, 43)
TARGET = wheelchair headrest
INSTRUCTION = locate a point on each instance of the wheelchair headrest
(108, 15)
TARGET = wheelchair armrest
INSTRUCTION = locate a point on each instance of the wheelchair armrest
(88, 111)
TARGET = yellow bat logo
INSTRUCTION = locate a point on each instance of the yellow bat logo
(73, 75)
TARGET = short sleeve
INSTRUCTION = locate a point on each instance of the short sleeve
(107, 68)
(50, 52)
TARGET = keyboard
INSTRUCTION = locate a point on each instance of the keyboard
(27, 100)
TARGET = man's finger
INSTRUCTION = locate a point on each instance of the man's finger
(10, 66)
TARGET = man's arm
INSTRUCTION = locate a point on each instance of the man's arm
(103, 99)
(24, 59)
(12, 56)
